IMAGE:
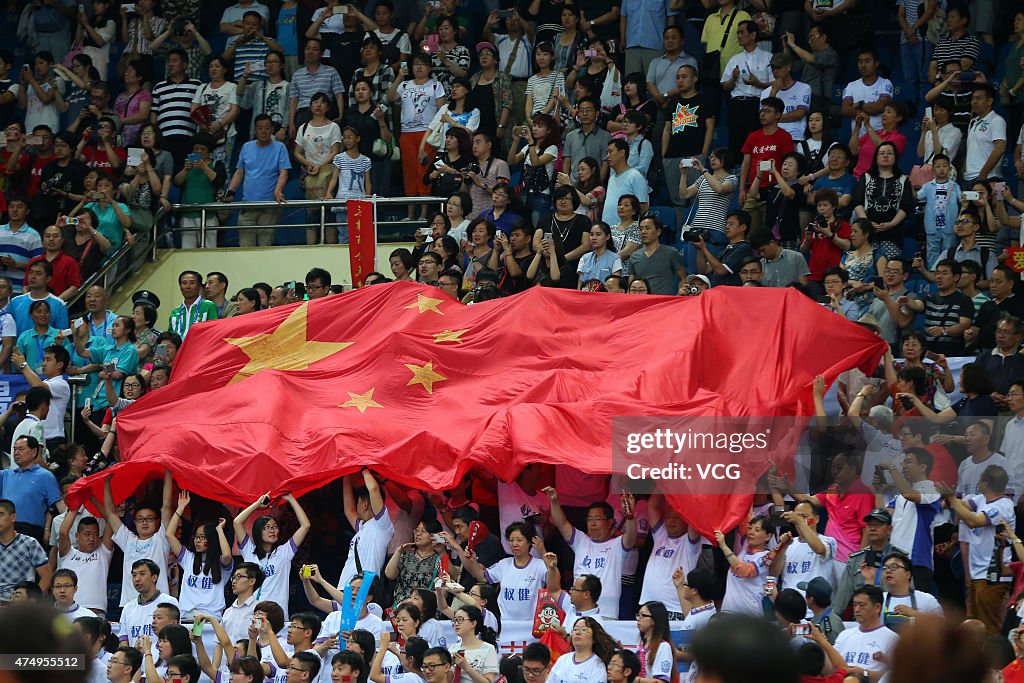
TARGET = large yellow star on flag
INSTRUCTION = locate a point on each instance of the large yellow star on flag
(286, 348)
(449, 336)
(425, 375)
(361, 401)
(425, 303)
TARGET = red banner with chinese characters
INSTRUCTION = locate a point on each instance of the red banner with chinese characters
(362, 240)
(1016, 260)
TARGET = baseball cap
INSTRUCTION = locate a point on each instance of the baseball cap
(879, 515)
(820, 589)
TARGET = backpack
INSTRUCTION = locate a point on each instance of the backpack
(985, 253)
(391, 55)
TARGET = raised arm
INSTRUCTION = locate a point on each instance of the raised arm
(109, 510)
(554, 579)
(300, 534)
(167, 502)
(239, 522)
(171, 530)
(376, 673)
(64, 533)
(315, 599)
(373, 488)
(558, 518)
(348, 499)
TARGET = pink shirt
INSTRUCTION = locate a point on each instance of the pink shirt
(846, 512)
(867, 149)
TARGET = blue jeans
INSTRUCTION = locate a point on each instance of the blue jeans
(914, 61)
(936, 245)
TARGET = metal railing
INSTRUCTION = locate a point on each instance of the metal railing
(323, 206)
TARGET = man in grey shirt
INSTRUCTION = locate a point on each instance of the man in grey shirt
(820, 65)
(660, 265)
(780, 266)
(894, 320)
(589, 140)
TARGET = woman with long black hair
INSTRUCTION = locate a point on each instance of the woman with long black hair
(475, 652)
(205, 567)
(657, 656)
(266, 548)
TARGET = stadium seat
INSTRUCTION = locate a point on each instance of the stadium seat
(667, 215)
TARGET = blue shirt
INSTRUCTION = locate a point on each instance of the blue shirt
(645, 22)
(98, 348)
(630, 182)
(18, 308)
(844, 184)
(126, 358)
(32, 491)
(32, 344)
(110, 225)
(22, 246)
(262, 166)
(287, 35)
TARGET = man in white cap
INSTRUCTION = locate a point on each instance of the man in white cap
(696, 285)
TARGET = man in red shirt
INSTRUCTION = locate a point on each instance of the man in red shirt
(771, 143)
(44, 155)
(98, 147)
(916, 434)
(66, 276)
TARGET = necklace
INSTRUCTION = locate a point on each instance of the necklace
(563, 233)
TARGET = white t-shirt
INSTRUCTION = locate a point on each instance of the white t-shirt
(858, 91)
(419, 104)
(137, 619)
(91, 569)
(278, 674)
(483, 659)
(797, 96)
(803, 564)
(517, 597)
(219, 100)
(982, 134)
(981, 540)
(858, 648)
(604, 560)
(153, 548)
(60, 394)
(515, 506)
(317, 141)
(432, 632)
(745, 595)
(403, 522)
(698, 618)
(925, 602)
(199, 593)
(756, 62)
(669, 554)
(568, 670)
(950, 138)
(968, 474)
(664, 661)
(371, 538)
(276, 568)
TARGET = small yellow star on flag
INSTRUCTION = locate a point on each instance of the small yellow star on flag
(425, 303)
(425, 375)
(361, 401)
(286, 348)
(449, 336)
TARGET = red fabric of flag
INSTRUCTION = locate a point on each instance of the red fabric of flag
(404, 380)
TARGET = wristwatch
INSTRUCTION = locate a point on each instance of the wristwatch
(22, 365)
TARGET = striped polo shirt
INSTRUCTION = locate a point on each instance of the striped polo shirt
(306, 84)
(172, 103)
(22, 245)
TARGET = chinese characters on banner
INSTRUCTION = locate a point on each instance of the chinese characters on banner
(1016, 260)
(362, 240)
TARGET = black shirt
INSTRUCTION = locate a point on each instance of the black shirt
(946, 311)
(784, 210)
(732, 257)
(369, 129)
(568, 235)
(989, 316)
(688, 141)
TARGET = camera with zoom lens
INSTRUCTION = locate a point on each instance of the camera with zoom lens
(821, 221)
(696, 235)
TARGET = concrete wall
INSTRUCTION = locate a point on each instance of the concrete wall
(243, 268)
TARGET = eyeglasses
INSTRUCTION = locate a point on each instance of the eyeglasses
(459, 620)
(1014, 393)
(297, 668)
(242, 577)
(145, 519)
(892, 567)
(574, 589)
(429, 668)
(965, 221)
(582, 629)
(530, 672)
(132, 385)
(641, 615)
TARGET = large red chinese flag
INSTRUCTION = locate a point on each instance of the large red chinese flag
(404, 380)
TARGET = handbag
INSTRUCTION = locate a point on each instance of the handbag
(921, 174)
(73, 51)
(386, 149)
